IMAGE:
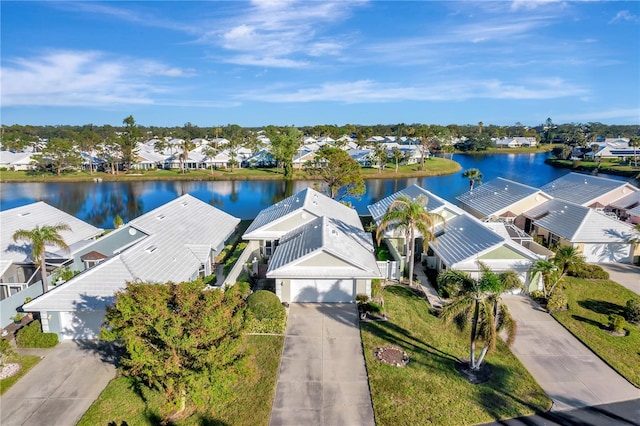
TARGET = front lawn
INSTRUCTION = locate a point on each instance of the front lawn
(590, 304)
(122, 401)
(430, 390)
(27, 362)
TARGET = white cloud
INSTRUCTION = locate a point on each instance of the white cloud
(630, 114)
(528, 5)
(363, 91)
(624, 15)
(74, 78)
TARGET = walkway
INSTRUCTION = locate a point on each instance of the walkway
(568, 371)
(322, 378)
(60, 388)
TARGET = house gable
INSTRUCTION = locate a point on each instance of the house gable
(502, 252)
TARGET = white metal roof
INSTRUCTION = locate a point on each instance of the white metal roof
(180, 234)
(583, 189)
(434, 202)
(496, 195)
(40, 214)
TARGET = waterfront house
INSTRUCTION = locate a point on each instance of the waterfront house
(176, 242)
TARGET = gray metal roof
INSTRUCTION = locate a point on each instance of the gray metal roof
(496, 195)
(349, 249)
(628, 201)
(308, 204)
(181, 233)
(40, 214)
(578, 224)
(582, 189)
(464, 237)
(378, 209)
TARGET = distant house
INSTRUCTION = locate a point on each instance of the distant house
(16, 160)
(316, 248)
(176, 242)
(516, 142)
(262, 158)
(20, 275)
(364, 157)
(600, 238)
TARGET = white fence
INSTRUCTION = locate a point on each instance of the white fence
(390, 269)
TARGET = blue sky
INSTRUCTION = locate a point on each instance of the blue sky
(317, 62)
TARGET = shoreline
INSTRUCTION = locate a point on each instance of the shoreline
(591, 167)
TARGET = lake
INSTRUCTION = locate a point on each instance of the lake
(99, 203)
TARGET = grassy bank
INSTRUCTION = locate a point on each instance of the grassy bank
(433, 167)
(430, 390)
(122, 402)
(590, 304)
(606, 167)
(27, 362)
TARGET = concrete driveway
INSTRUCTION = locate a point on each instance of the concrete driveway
(624, 274)
(568, 371)
(60, 388)
(322, 378)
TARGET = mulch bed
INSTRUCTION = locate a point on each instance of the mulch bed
(475, 377)
(392, 355)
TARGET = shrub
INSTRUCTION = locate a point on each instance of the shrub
(558, 301)
(632, 310)
(210, 279)
(587, 270)
(376, 288)
(616, 323)
(31, 336)
(537, 295)
(373, 307)
(5, 351)
(265, 305)
(243, 287)
(362, 298)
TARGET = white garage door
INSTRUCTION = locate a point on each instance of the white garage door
(607, 253)
(81, 325)
(326, 291)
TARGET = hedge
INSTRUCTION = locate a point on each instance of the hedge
(31, 336)
(265, 313)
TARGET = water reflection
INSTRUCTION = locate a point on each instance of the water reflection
(99, 203)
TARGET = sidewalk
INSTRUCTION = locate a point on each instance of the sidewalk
(568, 371)
(432, 295)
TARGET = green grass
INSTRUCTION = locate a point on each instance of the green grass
(590, 303)
(612, 167)
(433, 167)
(27, 362)
(430, 390)
(251, 403)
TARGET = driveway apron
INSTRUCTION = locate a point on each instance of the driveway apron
(60, 388)
(322, 378)
(568, 371)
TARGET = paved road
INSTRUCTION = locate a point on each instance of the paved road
(624, 274)
(60, 388)
(322, 378)
(572, 375)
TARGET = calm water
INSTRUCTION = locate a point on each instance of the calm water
(98, 203)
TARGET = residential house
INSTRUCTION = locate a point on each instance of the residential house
(20, 274)
(599, 237)
(515, 142)
(176, 242)
(627, 208)
(16, 160)
(316, 248)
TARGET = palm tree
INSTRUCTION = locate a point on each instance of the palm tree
(555, 270)
(410, 215)
(39, 237)
(480, 305)
(549, 272)
(474, 176)
(185, 145)
(210, 151)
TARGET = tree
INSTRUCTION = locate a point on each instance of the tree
(185, 146)
(87, 141)
(380, 153)
(341, 174)
(479, 304)
(60, 154)
(285, 143)
(554, 271)
(211, 151)
(39, 237)
(129, 141)
(474, 176)
(634, 143)
(182, 339)
(410, 215)
(398, 156)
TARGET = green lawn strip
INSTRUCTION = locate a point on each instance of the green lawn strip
(27, 362)
(590, 304)
(606, 167)
(251, 403)
(430, 390)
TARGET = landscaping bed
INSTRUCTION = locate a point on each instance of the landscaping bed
(124, 400)
(590, 304)
(429, 389)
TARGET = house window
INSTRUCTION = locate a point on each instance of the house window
(91, 263)
(269, 247)
(202, 271)
(553, 239)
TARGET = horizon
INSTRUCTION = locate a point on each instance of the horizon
(309, 63)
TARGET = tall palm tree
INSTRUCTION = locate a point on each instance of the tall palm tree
(556, 269)
(479, 304)
(474, 176)
(39, 237)
(410, 215)
(549, 272)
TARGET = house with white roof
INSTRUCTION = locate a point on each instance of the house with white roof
(16, 160)
(587, 190)
(599, 237)
(462, 240)
(627, 208)
(316, 248)
(502, 200)
(20, 275)
(515, 142)
(176, 242)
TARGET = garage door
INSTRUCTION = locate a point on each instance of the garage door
(607, 253)
(325, 291)
(81, 325)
